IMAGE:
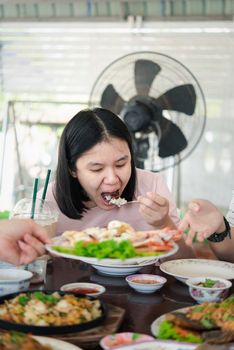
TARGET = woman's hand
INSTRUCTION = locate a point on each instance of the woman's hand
(154, 209)
(201, 220)
(21, 241)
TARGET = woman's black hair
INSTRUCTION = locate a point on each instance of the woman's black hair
(86, 129)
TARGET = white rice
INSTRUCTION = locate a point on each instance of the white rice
(118, 201)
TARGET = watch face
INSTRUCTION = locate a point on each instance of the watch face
(219, 237)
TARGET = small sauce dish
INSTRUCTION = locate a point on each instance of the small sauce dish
(121, 339)
(146, 283)
(86, 288)
(208, 289)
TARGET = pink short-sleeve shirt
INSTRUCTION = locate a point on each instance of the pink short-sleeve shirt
(146, 182)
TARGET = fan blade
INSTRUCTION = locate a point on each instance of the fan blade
(145, 72)
(111, 99)
(172, 140)
(181, 98)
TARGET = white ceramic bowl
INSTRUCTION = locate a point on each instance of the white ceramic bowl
(91, 289)
(210, 293)
(146, 283)
(14, 280)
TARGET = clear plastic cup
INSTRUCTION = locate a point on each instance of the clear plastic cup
(38, 268)
(45, 213)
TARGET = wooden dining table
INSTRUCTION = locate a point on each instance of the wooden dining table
(140, 309)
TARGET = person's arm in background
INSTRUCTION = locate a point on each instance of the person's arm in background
(21, 241)
(202, 220)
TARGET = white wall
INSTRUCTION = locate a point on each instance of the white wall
(61, 61)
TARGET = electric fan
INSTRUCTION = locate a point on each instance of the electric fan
(160, 101)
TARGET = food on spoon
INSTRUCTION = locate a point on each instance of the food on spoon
(118, 201)
(20, 341)
(113, 198)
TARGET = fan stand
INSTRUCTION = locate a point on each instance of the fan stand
(173, 180)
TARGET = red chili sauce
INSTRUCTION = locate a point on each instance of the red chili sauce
(144, 281)
(84, 290)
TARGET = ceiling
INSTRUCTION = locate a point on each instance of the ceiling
(73, 10)
(46, 60)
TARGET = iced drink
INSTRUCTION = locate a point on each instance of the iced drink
(45, 214)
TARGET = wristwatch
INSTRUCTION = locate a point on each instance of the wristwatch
(219, 237)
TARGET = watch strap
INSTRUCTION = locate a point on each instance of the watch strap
(219, 237)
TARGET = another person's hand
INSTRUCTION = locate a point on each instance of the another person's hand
(201, 220)
(21, 241)
(154, 209)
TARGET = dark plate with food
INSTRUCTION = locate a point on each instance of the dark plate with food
(50, 312)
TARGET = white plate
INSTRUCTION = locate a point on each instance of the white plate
(158, 345)
(156, 323)
(155, 330)
(183, 269)
(118, 262)
(118, 271)
(56, 344)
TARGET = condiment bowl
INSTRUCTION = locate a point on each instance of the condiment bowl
(145, 283)
(14, 280)
(208, 289)
(122, 339)
(86, 288)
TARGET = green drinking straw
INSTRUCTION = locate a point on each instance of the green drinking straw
(46, 185)
(34, 197)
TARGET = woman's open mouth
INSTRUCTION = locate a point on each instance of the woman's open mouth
(108, 196)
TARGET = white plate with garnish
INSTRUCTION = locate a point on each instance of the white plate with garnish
(158, 345)
(182, 269)
(56, 344)
(115, 262)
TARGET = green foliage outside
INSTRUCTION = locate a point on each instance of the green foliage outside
(4, 214)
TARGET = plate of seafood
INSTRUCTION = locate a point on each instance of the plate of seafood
(117, 245)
